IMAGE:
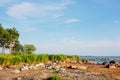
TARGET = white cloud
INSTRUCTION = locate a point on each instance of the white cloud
(27, 9)
(72, 46)
(5, 1)
(21, 10)
(71, 21)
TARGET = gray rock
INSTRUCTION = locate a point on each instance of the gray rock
(105, 63)
(15, 71)
(49, 67)
(72, 67)
(82, 67)
(24, 68)
(110, 66)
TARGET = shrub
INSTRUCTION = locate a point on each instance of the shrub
(29, 58)
(73, 57)
(42, 58)
(54, 78)
(59, 57)
(16, 53)
(15, 60)
(4, 60)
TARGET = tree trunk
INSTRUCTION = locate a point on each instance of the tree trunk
(10, 47)
(3, 49)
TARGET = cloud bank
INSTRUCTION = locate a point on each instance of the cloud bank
(26, 9)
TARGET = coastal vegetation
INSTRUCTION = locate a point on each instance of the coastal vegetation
(20, 58)
(56, 77)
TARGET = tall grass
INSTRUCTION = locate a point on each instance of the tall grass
(16, 59)
(57, 57)
(42, 58)
(29, 58)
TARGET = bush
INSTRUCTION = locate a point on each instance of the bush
(15, 60)
(29, 58)
(16, 53)
(42, 58)
(73, 57)
(58, 57)
(54, 78)
(4, 60)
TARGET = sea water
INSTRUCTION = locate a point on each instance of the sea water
(101, 59)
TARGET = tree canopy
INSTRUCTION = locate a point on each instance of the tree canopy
(8, 38)
(29, 48)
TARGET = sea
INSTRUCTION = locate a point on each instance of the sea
(101, 59)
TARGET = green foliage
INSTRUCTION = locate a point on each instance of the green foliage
(15, 53)
(73, 57)
(57, 57)
(29, 48)
(29, 58)
(101, 79)
(4, 60)
(18, 47)
(54, 78)
(8, 38)
(42, 58)
(16, 58)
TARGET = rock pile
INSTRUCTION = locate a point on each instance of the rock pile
(111, 64)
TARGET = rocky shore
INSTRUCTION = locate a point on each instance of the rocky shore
(73, 70)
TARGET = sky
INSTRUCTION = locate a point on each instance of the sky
(74, 27)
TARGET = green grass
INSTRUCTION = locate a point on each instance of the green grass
(16, 59)
(56, 77)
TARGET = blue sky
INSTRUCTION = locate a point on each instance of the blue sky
(77, 27)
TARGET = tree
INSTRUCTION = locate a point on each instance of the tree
(18, 47)
(4, 36)
(29, 48)
(13, 37)
(1, 34)
(8, 38)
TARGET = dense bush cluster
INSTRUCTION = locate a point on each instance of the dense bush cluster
(19, 58)
(56, 77)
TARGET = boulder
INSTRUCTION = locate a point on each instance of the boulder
(113, 62)
(72, 67)
(35, 68)
(105, 63)
(62, 69)
(19, 78)
(15, 71)
(85, 61)
(41, 65)
(24, 68)
(110, 66)
(82, 67)
(117, 65)
(30, 67)
(49, 67)
(80, 62)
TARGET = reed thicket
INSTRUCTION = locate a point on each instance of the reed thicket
(17, 59)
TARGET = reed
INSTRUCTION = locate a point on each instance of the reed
(16, 59)
(42, 58)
